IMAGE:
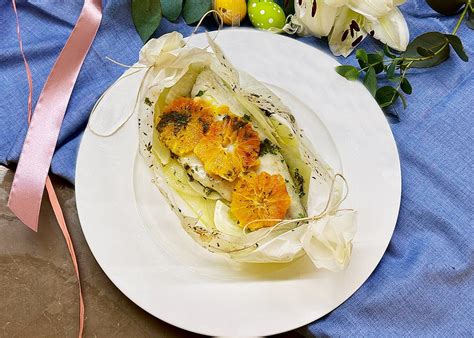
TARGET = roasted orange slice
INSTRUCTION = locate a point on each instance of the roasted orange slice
(259, 197)
(183, 123)
(229, 148)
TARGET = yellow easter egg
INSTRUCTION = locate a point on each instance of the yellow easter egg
(232, 11)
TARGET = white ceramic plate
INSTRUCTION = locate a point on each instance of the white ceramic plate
(141, 246)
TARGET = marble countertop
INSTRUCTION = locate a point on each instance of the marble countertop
(38, 287)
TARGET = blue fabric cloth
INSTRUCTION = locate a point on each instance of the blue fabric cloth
(424, 283)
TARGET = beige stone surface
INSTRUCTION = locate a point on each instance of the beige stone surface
(38, 287)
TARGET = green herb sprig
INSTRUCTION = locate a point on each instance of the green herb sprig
(427, 50)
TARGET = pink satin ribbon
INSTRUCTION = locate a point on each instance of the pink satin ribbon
(44, 125)
(38, 148)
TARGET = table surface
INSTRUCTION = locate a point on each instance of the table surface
(38, 287)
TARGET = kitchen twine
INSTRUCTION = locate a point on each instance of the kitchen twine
(44, 125)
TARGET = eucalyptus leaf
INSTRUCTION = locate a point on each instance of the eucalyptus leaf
(349, 72)
(287, 5)
(456, 43)
(193, 10)
(406, 86)
(146, 15)
(376, 61)
(361, 54)
(386, 95)
(171, 9)
(435, 42)
(391, 69)
(424, 52)
(388, 52)
(470, 18)
(370, 81)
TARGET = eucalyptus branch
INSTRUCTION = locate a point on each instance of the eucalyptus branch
(427, 50)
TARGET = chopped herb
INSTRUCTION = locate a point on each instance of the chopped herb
(299, 180)
(148, 102)
(267, 147)
(208, 191)
(201, 93)
(148, 146)
(179, 120)
(246, 118)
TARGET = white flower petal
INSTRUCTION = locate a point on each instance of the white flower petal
(315, 16)
(347, 32)
(391, 29)
(371, 9)
(336, 3)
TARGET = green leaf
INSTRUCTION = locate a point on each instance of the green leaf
(424, 52)
(376, 61)
(146, 15)
(470, 18)
(446, 7)
(404, 100)
(433, 41)
(406, 86)
(171, 9)
(370, 81)
(388, 53)
(391, 70)
(386, 95)
(193, 10)
(456, 43)
(349, 72)
(288, 6)
(361, 55)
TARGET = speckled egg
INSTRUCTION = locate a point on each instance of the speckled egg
(266, 14)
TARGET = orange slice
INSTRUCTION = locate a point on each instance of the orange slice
(183, 123)
(229, 148)
(259, 197)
